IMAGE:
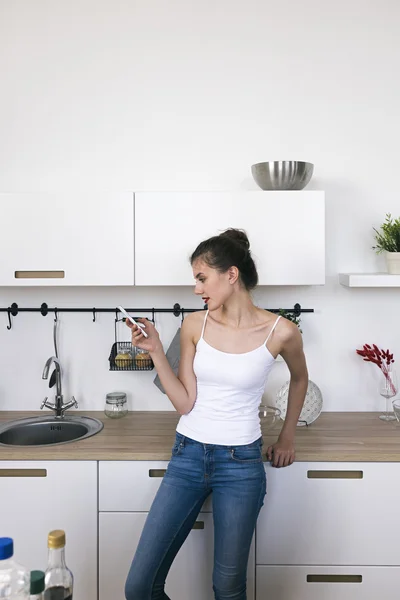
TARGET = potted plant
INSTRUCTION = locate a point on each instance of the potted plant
(388, 240)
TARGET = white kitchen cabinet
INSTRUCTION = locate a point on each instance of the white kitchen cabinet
(190, 576)
(327, 583)
(38, 496)
(67, 238)
(330, 514)
(131, 486)
(286, 232)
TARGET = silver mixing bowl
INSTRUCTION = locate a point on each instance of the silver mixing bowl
(282, 174)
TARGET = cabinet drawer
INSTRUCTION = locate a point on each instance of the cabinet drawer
(190, 576)
(327, 583)
(130, 486)
(330, 513)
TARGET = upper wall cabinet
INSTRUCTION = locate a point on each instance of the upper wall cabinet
(286, 232)
(67, 238)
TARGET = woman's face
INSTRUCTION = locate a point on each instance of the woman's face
(214, 287)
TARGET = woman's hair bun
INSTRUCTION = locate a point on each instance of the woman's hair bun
(238, 236)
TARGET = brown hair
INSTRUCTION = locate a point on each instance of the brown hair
(230, 248)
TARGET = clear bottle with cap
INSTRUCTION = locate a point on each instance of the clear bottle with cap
(37, 585)
(116, 405)
(14, 578)
(58, 580)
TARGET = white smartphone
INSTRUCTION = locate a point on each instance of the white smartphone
(132, 320)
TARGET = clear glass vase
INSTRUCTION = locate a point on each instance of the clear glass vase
(388, 388)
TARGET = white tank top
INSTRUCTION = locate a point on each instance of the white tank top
(229, 391)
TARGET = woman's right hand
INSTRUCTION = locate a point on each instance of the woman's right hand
(152, 343)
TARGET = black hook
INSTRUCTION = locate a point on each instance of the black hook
(9, 318)
(94, 315)
(153, 312)
(55, 315)
(12, 310)
(182, 315)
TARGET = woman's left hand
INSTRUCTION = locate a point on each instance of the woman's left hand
(281, 454)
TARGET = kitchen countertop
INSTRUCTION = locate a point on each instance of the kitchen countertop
(335, 436)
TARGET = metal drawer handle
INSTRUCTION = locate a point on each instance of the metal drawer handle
(334, 578)
(335, 474)
(39, 274)
(198, 525)
(23, 472)
(157, 472)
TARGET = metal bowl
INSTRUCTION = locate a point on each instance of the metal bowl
(282, 174)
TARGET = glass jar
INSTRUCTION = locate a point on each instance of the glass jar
(116, 406)
(142, 359)
(268, 416)
(124, 359)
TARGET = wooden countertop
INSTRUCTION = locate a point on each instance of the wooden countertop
(335, 436)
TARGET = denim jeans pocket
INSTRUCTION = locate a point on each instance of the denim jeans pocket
(250, 453)
(179, 444)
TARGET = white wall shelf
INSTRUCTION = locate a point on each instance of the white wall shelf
(369, 280)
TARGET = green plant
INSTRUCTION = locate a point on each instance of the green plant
(389, 237)
(290, 317)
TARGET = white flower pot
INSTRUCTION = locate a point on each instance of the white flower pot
(393, 262)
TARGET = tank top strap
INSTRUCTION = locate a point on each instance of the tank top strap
(204, 324)
(273, 327)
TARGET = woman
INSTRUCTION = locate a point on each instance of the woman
(227, 353)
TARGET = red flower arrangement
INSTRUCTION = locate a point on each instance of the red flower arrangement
(381, 358)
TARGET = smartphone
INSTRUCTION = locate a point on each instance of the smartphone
(132, 320)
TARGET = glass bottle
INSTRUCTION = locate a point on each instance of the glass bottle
(58, 578)
(116, 406)
(14, 579)
(37, 585)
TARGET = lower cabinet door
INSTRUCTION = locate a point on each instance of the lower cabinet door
(190, 577)
(327, 583)
(38, 496)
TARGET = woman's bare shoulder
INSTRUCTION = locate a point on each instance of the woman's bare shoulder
(287, 330)
(193, 323)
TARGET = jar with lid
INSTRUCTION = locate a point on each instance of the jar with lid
(116, 405)
(124, 359)
(142, 360)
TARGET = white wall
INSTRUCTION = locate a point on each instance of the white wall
(147, 94)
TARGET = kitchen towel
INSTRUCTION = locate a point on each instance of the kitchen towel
(173, 355)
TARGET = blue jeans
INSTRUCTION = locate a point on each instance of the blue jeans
(236, 477)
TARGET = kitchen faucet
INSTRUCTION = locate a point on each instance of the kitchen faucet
(59, 407)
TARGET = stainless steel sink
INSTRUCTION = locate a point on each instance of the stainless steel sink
(49, 430)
